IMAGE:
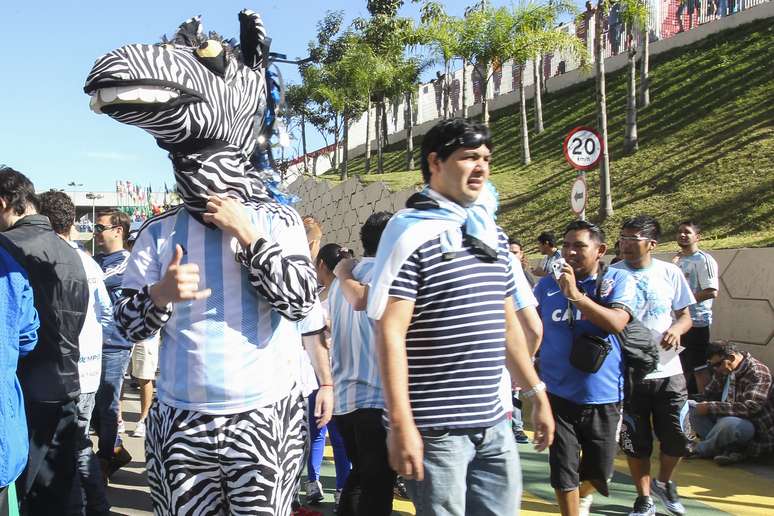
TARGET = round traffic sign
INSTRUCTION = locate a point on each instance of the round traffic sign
(578, 195)
(583, 148)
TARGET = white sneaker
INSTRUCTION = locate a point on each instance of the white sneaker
(121, 427)
(336, 500)
(314, 492)
(139, 430)
(584, 507)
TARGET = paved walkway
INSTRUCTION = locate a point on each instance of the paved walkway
(706, 489)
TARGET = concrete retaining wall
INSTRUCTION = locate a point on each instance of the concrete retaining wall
(743, 312)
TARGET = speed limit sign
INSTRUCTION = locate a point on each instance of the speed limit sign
(583, 148)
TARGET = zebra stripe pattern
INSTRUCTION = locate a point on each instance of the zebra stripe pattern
(242, 464)
(203, 113)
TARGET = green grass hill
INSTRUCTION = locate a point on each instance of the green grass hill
(706, 147)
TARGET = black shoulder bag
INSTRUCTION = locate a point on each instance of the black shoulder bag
(588, 352)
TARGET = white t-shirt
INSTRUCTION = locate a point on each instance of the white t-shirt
(701, 271)
(312, 323)
(522, 298)
(99, 315)
(661, 289)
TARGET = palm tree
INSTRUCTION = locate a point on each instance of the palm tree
(529, 38)
(605, 200)
(441, 33)
(634, 13)
(645, 65)
(486, 42)
(537, 64)
(551, 12)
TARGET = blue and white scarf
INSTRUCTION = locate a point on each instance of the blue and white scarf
(428, 215)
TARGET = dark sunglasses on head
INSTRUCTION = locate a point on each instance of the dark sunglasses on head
(468, 140)
(99, 228)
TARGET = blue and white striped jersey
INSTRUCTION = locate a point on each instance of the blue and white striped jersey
(456, 339)
(231, 352)
(354, 364)
(701, 271)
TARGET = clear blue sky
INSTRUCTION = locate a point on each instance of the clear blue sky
(47, 130)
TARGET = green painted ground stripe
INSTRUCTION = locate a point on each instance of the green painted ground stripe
(534, 468)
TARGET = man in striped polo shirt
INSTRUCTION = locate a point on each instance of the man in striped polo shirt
(446, 325)
(225, 287)
(359, 403)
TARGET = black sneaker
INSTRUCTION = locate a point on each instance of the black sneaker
(728, 458)
(643, 506)
(520, 436)
(667, 493)
(400, 490)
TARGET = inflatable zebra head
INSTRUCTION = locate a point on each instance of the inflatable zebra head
(200, 99)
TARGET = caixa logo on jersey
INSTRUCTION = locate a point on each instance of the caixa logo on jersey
(563, 314)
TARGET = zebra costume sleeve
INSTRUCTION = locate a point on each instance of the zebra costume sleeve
(288, 283)
(137, 317)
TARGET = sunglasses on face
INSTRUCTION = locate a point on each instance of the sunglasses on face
(468, 140)
(99, 228)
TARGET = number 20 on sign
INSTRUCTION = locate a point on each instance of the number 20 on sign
(583, 148)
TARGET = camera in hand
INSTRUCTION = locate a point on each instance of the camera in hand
(556, 268)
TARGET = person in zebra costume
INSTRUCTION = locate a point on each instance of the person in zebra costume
(224, 277)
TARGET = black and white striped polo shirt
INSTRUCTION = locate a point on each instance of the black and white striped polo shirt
(456, 340)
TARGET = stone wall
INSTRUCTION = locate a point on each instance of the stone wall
(342, 208)
(743, 312)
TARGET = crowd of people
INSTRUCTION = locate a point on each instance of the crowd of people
(414, 359)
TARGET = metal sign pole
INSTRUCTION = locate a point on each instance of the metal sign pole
(582, 214)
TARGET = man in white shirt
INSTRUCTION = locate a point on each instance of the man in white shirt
(701, 271)
(659, 402)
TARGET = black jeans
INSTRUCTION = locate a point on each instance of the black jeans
(45, 486)
(369, 488)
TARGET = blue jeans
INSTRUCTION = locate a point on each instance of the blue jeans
(516, 419)
(317, 448)
(88, 480)
(469, 471)
(721, 434)
(114, 364)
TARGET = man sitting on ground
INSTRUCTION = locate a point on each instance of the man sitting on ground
(737, 421)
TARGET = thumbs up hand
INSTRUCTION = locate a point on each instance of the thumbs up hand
(179, 283)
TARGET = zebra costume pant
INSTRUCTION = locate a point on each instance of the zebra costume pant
(247, 463)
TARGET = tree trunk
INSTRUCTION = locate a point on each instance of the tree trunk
(368, 139)
(385, 135)
(446, 88)
(605, 200)
(378, 130)
(345, 150)
(409, 124)
(303, 144)
(335, 159)
(465, 88)
(630, 133)
(537, 65)
(645, 70)
(484, 78)
(524, 126)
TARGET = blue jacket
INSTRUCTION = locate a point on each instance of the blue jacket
(114, 266)
(18, 336)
